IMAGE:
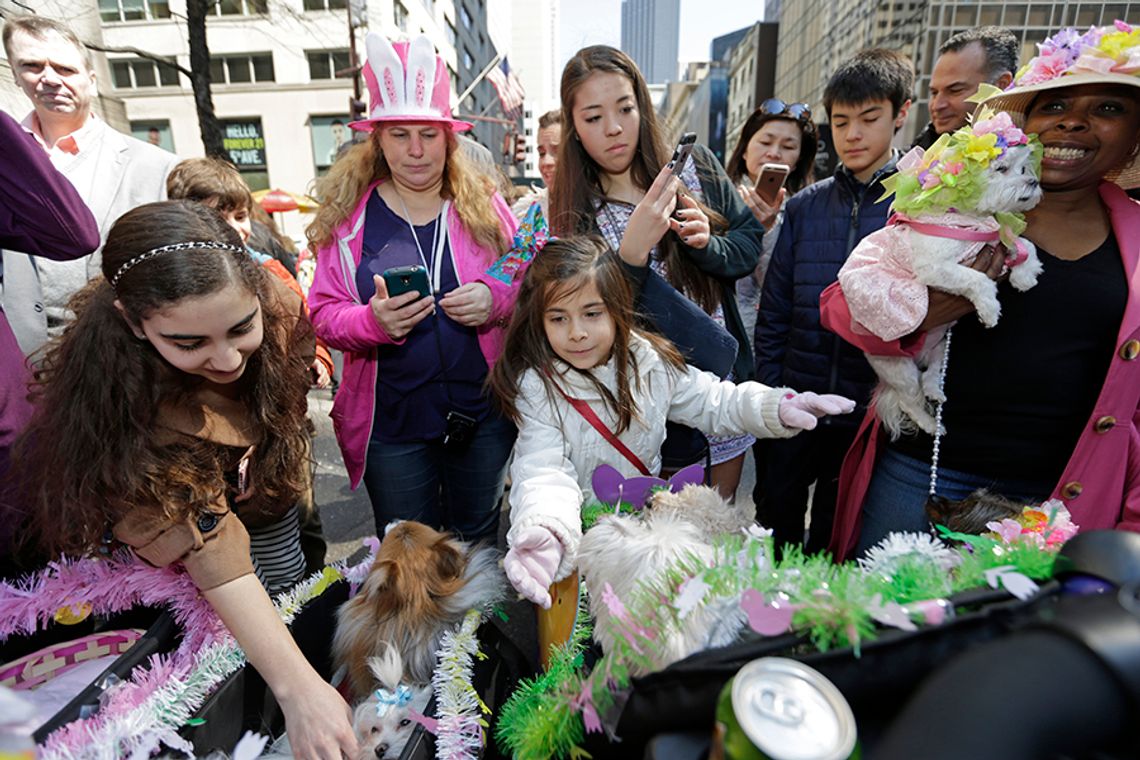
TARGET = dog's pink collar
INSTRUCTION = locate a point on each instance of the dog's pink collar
(942, 231)
(960, 233)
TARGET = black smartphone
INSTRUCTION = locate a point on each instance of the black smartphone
(771, 179)
(401, 280)
(681, 154)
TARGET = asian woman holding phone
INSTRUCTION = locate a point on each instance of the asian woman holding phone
(682, 219)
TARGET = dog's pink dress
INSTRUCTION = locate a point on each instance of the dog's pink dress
(878, 280)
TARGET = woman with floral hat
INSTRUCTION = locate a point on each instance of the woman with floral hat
(1047, 403)
(411, 416)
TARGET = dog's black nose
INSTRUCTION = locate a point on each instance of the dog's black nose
(381, 750)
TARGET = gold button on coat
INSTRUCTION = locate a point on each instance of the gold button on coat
(1130, 350)
(1104, 424)
(1072, 490)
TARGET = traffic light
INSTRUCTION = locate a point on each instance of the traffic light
(520, 149)
(357, 109)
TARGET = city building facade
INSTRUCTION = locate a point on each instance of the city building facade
(280, 70)
(651, 34)
(534, 59)
(816, 35)
(751, 69)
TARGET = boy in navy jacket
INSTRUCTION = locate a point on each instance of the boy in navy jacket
(866, 101)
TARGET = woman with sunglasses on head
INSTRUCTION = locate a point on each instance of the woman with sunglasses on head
(614, 178)
(775, 133)
(1046, 404)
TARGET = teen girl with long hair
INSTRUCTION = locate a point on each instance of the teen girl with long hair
(613, 180)
(573, 340)
(170, 418)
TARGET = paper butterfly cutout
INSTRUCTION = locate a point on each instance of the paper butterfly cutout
(610, 486)
(532, 235)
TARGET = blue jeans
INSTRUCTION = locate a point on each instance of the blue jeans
(900, 486)
(456, 490)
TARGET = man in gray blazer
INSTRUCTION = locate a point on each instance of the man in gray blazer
(112, 172)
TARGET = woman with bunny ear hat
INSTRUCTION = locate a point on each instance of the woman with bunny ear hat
(411, 416)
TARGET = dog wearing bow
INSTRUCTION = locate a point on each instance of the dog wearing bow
(968, 190)
(384, 722)
(421, 585)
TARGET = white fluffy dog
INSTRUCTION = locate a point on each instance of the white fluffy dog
(382, 722)
(624, 550)
(967, 191)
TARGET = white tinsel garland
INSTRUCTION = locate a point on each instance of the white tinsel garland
(460, 728)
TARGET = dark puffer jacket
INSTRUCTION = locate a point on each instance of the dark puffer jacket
(822, 224)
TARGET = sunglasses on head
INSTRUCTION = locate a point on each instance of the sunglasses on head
(776, 107)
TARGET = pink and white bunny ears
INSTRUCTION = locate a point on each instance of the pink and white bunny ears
(408, 82)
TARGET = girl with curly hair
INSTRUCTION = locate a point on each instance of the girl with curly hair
(171, 419)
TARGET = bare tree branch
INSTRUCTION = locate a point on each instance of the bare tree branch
(161, 61)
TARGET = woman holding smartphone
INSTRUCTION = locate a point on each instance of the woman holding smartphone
(686, 222)
(411, 416)
(776, 133)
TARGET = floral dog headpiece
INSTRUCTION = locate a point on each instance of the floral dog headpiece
(950, 175)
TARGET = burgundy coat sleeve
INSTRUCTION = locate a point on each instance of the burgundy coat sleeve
(835, 315)
(40, 211)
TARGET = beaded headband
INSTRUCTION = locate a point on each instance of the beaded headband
(192, 245)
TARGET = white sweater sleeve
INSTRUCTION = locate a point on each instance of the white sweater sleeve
(717, 407)
(544, 482)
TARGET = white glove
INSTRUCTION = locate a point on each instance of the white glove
(803, 410)
(531, 563)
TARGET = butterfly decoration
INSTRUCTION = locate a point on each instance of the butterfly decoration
(533, 233)
(611, 487)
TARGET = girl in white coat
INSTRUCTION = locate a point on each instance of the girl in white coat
(573, 353)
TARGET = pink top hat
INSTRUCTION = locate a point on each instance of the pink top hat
(407, 81)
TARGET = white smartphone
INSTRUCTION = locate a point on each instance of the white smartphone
(771, 179)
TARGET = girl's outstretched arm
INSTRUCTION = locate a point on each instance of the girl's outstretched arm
(316, 717)
(713, 406)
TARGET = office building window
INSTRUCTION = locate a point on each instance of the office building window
(155, 133)
(133, 10)
(325, 5)
(449, 30)
(240, 7)
(132, 73)
(465, 17)
(401, 15)
(324, 64)
(468, 61)
(242, 69)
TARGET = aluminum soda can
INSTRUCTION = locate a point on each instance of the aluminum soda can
(780, 709)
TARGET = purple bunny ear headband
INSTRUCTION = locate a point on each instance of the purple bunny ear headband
(611, 487)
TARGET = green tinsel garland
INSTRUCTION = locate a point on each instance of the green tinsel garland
(833, 608)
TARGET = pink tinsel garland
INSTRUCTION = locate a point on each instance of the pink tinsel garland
(110, 585)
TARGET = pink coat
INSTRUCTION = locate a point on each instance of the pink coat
(344, 321)
(1101, 482)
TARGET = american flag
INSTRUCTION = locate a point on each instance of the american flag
(508, 86)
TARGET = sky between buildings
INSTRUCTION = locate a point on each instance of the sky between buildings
(598, 22)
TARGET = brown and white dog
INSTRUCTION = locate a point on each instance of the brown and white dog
(421, 585)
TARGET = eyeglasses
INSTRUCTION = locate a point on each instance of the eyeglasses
(776, 107)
